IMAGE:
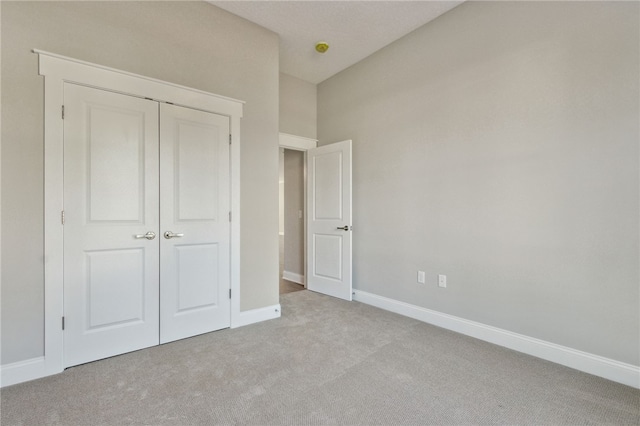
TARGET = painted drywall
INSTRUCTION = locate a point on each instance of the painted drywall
(294, 211)
(190, 43)
(498, 145)
(298, 103)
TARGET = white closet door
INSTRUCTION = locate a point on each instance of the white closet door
(194, 212)
(111, 271)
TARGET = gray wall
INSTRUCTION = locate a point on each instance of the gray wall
(190, 43)
(298, 101)
(499, 145)
(293, 204)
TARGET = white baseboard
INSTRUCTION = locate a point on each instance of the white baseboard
(292, 276)
(22, 371)
(616, 371)
(257, 315)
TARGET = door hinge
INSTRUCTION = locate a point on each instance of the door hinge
(63, 112)
(229, 293)
(229, 216)
(229, 138)
(62, 217)
(63, 323)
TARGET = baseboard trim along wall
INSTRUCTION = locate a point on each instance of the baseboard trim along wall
(616, 371)
(292, 276)
(257, 315)
(22, 371)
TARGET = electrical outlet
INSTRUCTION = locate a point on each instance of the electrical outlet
(421, 277)
(442, 281)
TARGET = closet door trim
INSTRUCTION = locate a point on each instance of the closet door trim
(57, 70)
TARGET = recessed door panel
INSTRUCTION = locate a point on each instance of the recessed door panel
(194, 159)
(327, 186)
(111, 200)
(197, 277)
(327, 251)
(116, 163)
(115, 287)
(196, 150)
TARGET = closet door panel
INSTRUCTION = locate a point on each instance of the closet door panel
(111, 272)
(194, 165)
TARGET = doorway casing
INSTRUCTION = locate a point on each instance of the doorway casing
(300, 143)
(57, 70)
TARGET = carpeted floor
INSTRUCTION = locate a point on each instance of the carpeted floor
(326, 361)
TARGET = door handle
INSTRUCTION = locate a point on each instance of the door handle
(149, 235)
(343, 228)
(168, 235)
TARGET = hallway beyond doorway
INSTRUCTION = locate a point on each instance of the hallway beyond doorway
(285, 285)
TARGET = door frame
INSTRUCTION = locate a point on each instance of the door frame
(57, 70)
(300, 143)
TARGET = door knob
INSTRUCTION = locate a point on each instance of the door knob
(149, 235)
(343, 228)
(168, 235)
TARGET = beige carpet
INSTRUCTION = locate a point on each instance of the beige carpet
(325, 361)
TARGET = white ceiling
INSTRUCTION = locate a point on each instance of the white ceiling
(353, 29)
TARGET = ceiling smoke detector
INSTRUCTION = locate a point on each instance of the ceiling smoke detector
(322, 47)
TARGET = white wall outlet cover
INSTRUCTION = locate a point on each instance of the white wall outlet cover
(421, 277)
(442, 281)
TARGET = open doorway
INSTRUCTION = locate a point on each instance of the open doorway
(318, 180)
(292, 204)
(293, 157)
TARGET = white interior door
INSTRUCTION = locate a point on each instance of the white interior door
(194, 218)
(329, 232)
(146, 223)
(111, 271)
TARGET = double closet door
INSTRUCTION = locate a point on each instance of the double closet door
(146, 223)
